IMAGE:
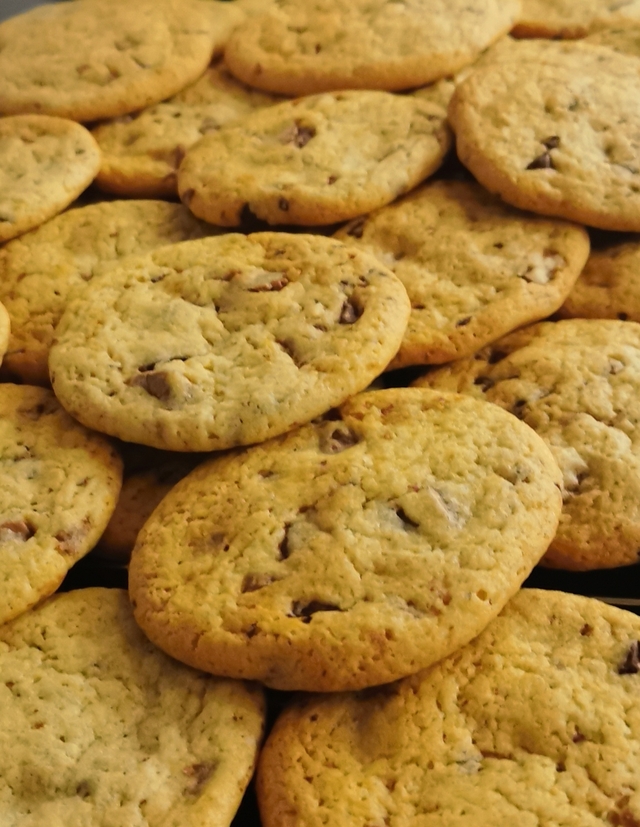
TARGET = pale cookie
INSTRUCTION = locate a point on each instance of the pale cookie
(5, 330)
(141, 493)
(100, 729)
(474, 268)
(40, 271)
(577, 384)
(557, 135)
(573, 18)
(245, 338)
(99, 58)
(353, 551)
(323, 45)
(533, 723)
(142, 152)
(319, 160)
(59, 486)
(608, 286)
(45, 163)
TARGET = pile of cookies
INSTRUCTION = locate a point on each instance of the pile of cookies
(331, 390)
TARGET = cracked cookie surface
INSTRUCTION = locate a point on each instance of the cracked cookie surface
(246, 337)
(558, 135)
(100, 729)
(42, 269)
(318, 160)
(60, 484)
(533, 723)
(45, 163)
(352, 551)
(322, 45)
(474, 268)
(577, 384)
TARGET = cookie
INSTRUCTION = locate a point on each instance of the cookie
(325, 45)
(98, 59)
(556, 135)
(140, 494)
(624, 39)
(42, 269)
(474, 268)
(532, 723)
(45, 163)
(572, 18)
(353, 551)
(577, 384)
(319, 160)
(99, 727)
(5, 330)
(60, 484)
(607, 287)
(141, 152)
(245, 338)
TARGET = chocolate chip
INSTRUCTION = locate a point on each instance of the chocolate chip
(518, 408)
(283, 546)
(208, 125)
(349, 313)
(71, 541)
(586, 630)
(337, 439)
(154, 383)
(199, 775)
(283, 204)
(631, 663)
(485, 382)
(332, 179)
(408, 522)
(356, 229)
(552, 142)
(578, 737)
(275, 284)
(83, 789)
(16, 530)
(255, 582)
(297, 134)
(307, 610)
(463, 322)
(543, 161)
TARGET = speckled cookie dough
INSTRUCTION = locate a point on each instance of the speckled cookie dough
(100, 729)
(58, 487)
(558, 135)
(533, 723)
(318, 160)
(45, 163)
(97, 59)
(42, 269)
(322, 45)
(573, 18)
(245, 338)
(352, 551)
(577, 384)
(142, 152)
(473, 267)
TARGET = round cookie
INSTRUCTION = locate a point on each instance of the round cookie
(572, 18)
(556, 135)
(577, 384)
(324, 45)
(59, 487)
(45, 163)
(142, 152)
(608, 286)
(246, 337)
(353, 551)
(624, 39)
(533, 723)
(474, 268)
(319, 160)
(97, 59)
(100, 728)
(40, 271)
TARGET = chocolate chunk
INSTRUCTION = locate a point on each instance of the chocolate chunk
(283, 204)
(255, 582)
(485, 382)
(463, 322)
(307, 610)
(586, 630)
(277, 283)
(542, 161)
(297, 134)
(16, 530)
(208, 125)
(631, 663)
(199, 775)
(552, 142)
(71, 541)
(357, 227)
(349, 313)
(408, 522)
(337, 439)
(155, 383)
(283, 546)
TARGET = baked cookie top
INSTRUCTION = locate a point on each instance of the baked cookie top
(577, 384)
(558, 135)
(319, 46)
(98, 59)
(42, 269)
(45, 163)
(60, 484)
(352, 551)
(100, 728)
(573, 18)
(245, 338)
(317, 160)
(608, 286)
(534, 722)
(142, 152)
(473, 268)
